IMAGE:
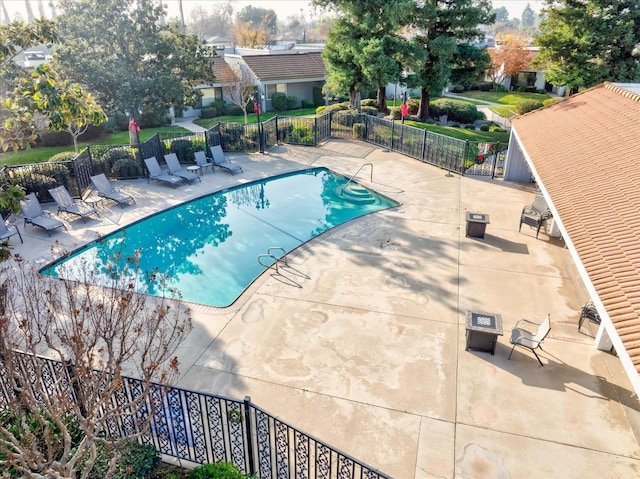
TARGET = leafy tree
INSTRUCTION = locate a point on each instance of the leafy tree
(29, 96)
(469, 65)
(247, 36)
(144, 66)
(509, 57)
(585, 43)
(382, 51)
(97, 334)
(341, 57)
(501, 14)
(440, 28)
(259, 18)
(68, 107)
(528, 18)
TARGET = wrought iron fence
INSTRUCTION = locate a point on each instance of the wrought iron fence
(199, 428)
(126, 161)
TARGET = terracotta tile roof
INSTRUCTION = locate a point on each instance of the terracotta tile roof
(222, 71)
(287, 66)
(586, 150)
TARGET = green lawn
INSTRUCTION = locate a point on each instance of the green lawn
(43, 153)
(505, 98)
(462, 133)
(251, 117)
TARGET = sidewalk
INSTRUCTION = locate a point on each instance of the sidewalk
(189, 125)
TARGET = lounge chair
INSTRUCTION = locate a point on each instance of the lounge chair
(220, 161)
(156, 173)
(9, 230)
(175, 168)
(201, 160)
(67, 204)
(106, 190)
(35, 215)
(531, 340)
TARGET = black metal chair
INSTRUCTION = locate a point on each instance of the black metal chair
(536, 214)
(589, 312)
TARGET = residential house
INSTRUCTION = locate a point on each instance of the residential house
(294, 73)
(584, 154)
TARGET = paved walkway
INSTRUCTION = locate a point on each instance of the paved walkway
(362, 343)
(189, 125)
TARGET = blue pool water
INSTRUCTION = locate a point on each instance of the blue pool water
(209, 247)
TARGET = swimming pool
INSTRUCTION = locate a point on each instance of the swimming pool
(209, 246)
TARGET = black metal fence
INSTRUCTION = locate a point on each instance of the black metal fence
(126, 161)
(201, 428)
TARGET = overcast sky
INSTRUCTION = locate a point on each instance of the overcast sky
(283, 8)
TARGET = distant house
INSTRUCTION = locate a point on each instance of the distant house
(223, 75)
(529, 77)
(294, 74)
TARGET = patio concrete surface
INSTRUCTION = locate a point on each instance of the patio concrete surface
(361, 340)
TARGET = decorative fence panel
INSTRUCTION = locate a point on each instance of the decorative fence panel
(270, 132)
(198, 428)
(297, 130)
(323, 127)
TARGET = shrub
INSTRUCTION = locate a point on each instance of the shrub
(470, 127)
(208, 112)
(137, 461)
(414, 106)
(484, 127)
(455, 110)
(126, 168)
(183, 150)
(63, 156)
(499, 87)
(234, 110)
(527, 105)
(219, 105)
(307, 104)
(359, 130)
(369, 110)
(279, 101)
(220, 470)
(494, 128)
(482, 86)
(318, 97)
(457, 89)
(121, 121)
(301, 135)
(55, 138)
(292, 102)
(396, 114)
(369, 102)
(152, 118)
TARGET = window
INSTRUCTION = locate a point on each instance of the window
(279, 87)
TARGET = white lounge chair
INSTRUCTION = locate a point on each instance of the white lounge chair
(156, 173)
(35, 215)
(175, 168)
(106, 190)
(220, 161)
(201, 160)
(68, 205)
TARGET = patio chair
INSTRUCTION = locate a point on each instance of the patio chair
(35, 215)
(156, 173)
(201, 160)
(536, 214)
(589, 312)
(531, 340)
(220, 161)
(106, 190)
(9, 230)
(175, 168)
(66, 204)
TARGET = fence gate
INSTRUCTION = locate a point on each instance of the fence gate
(489, 160)
(83, 170)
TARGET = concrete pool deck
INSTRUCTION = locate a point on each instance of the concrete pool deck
(361, 342)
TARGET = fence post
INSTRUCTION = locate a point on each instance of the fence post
(393, 124)
(315, 131)
(464, 156)
(495, 160)
(247, 420)
(71, 371)
(277, 131)
(424, 144)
